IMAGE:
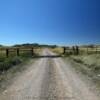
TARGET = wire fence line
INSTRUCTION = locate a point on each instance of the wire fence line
(7, 52)
(81, 50)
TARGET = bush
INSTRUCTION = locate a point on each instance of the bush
(15, 61)
(8, 63)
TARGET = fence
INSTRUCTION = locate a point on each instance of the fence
(81, 50)
(7, 52)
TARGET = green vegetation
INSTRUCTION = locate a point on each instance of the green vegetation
(7, 63)
(12, 67)
(15, 55)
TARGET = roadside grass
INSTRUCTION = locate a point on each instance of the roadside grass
(57, 50)
(7, 76)
(8, 62)
(89, 65)
(92, 61)
(38, 51)
(13, 65)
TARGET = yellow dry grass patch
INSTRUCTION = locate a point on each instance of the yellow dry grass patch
(58, 50)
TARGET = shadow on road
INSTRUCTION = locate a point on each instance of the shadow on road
(48, 56)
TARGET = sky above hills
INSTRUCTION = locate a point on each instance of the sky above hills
(62, 22)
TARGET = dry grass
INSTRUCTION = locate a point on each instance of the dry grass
(58, 50)
(84, 50)
(88, 65)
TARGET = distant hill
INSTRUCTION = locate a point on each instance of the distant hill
(1, 45)
(34, 45)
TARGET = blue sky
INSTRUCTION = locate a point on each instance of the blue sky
(62, 22)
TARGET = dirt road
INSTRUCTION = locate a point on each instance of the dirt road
(49, 78)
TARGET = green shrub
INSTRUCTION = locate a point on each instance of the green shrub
(4, 66)
(16, 61)
(8, 63)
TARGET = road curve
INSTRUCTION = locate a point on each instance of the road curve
(49, 78)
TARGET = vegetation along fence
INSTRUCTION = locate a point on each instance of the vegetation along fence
(7, 52)
(81, 50)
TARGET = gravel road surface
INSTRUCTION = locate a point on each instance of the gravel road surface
(49, 78)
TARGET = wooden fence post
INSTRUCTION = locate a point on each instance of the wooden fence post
(64, 50)
(73, 49)
(32, 51)
(87, 50)
(96, 50)
(77, 50)
(7, 52)
(17, 51)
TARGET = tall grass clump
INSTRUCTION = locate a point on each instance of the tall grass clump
(7, 63)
